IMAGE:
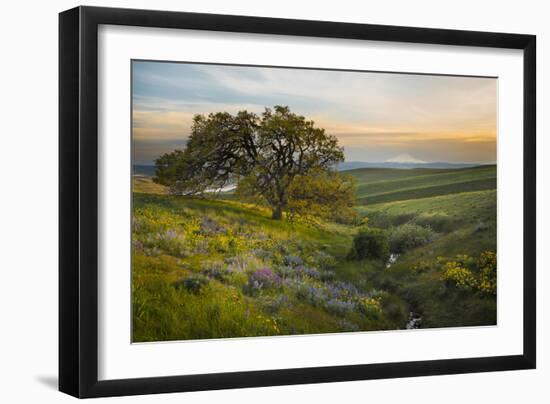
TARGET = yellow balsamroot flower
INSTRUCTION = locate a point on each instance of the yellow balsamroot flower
(462, 277)
(484, 280)
(488, 277)
(371, 304)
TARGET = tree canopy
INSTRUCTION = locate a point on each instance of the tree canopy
(278, 156)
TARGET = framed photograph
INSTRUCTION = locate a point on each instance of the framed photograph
(251, 201)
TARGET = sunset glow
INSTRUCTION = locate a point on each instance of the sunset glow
(376, 116)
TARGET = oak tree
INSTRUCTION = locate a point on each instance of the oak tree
(264, 154)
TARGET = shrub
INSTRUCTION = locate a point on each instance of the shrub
(341, 290)
(327, 276)
(384, 220)
(266, 277)
(408, 236)
(209, 226)
(479, 227)
(309, 272)
(340, 307)
(285, 272)
(422, 266)
(263, 254)
(347, 326)
(292, 261)
(272, 305)
(394, 309)
(308, 293)
(193, 283)
(216, 270)
(370, 306)
(170, 241)
(439, 223)
(263, 278)
(370, 243)
(324, 260)
(244, 263)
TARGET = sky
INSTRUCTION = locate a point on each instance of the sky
(375, 116)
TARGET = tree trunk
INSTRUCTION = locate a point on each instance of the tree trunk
(277, 213)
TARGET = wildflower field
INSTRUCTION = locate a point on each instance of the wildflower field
(207, 268)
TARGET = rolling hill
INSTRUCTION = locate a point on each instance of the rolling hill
(194, 259)
(377, 185)
(404, 165)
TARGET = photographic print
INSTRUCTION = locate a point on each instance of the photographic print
(273, 201)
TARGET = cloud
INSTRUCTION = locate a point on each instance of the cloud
(364, 110)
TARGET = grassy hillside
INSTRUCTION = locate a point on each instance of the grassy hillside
(465, 227)
(213, 269)
(145, 184)
(376, 185)
(218, 268)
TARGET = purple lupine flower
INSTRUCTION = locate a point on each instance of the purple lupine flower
(311, 272)
(341, 290)
(293, 261)
(264, 278)
(312, 294)
(340, 307)
(170, 234)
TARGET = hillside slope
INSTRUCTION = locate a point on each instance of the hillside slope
(376, 185)
(465, 226)
(220, 269)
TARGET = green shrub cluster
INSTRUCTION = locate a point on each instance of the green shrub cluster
(438, 223)
(408, 236)
(370, 243)
(194, 283)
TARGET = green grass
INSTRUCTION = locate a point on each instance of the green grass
(175, 238)
(224, 243)
(461, 212)
(467, 224)
(144, 183)
(429, 191)
(375, 185)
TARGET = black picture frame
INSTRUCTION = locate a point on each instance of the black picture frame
(78, 201)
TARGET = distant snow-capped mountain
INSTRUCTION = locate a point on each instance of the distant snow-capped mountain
(405, 158)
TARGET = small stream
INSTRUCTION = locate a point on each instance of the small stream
(391, 260)
(414, 322)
